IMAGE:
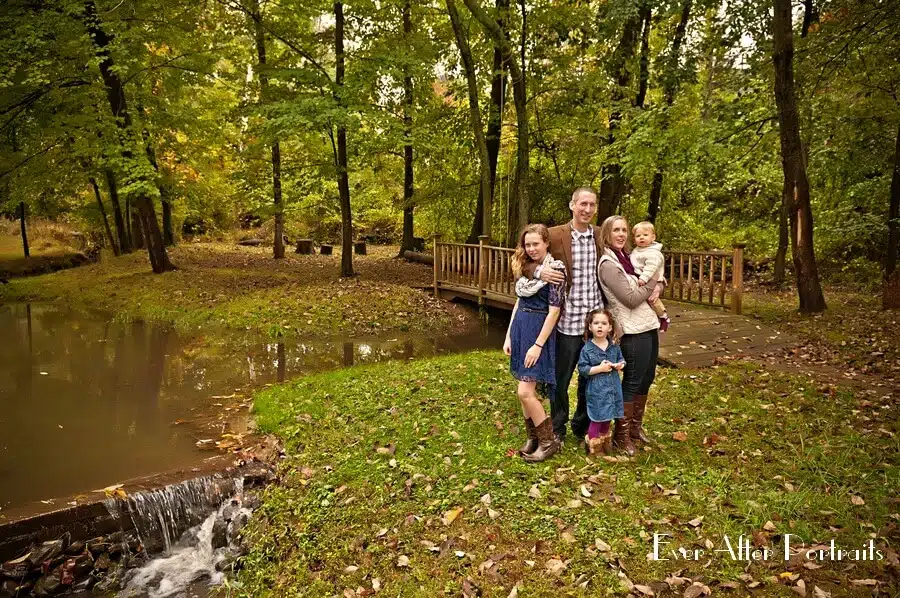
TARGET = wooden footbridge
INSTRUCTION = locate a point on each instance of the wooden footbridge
(703, 297)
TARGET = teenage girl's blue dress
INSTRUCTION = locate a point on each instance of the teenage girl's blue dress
(604, 391)
(526, 326)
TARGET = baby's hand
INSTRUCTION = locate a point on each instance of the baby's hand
(619, 366)
(641, 282)
(605, 366)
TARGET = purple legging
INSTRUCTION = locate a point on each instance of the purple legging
(597, 428)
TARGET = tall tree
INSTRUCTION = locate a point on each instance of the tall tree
(613, 183)
(106, 228)
(260, 39)
(670, 81)
(115, 92)
(24, 229)
(340, 150)
(891, 298)
(482, 224)
(121, 227)
(465, 53)
(796, 184)
(520, 99)
(406, 242)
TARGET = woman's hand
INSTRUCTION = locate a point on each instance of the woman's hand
(534, 353)
(507, 347)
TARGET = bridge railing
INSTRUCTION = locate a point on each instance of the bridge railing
(483, 272)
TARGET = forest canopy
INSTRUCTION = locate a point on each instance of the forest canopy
(389, 119)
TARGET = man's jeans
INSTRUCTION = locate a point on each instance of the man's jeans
(568, 349)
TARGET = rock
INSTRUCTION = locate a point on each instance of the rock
(16, 569)
(75, 548)
(84, 585)
(230, 564)
(103, 562)
(237, 524)
(8, 588)
(219, 533)
(251, 501)
(82, 566)
(97, 546)
(48, 584)
(231, 509)
(48, 551)
(110, 582)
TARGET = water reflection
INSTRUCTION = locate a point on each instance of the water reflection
(86, 402)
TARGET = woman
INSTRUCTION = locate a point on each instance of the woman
(637, 328)
(531, 340)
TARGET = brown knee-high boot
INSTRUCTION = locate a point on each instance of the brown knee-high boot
(637, 421)
(622, 437)
(532, 443)
(548, 445)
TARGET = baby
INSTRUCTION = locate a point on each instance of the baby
(648, 262)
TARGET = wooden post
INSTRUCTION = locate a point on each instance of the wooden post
(737, 277)
(482, 266)
(437, 263)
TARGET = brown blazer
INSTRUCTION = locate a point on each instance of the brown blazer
(561, 249)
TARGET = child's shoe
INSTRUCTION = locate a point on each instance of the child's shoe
(600, 445)
(664, 322)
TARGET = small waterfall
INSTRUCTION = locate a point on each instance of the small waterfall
(160, 516)
(195, 524)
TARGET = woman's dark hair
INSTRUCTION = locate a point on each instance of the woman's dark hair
(590, 318)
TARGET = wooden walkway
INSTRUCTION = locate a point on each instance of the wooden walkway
(703, 298)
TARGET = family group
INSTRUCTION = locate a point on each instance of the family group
(587, 299)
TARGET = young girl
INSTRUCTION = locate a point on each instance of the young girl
(531, 340)
(601, 361)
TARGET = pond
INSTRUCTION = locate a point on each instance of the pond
(87, 402)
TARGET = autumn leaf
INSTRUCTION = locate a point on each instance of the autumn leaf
(679, 436)
(451, 515)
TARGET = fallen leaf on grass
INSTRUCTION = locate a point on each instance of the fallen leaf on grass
(820, 593)
(555, 566)
(451, 515)
(403, 561)
(800, 588)
(679, 436)
(857, 500)
(695, 522)
(601, 545)
(769, 526)
(864, 582)
(697, 590)
(645, 590)
(534, 492)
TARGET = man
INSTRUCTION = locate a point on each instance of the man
(577, 245)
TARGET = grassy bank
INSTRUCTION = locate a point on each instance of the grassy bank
(237, 287)
(403, 478)
(854, 332)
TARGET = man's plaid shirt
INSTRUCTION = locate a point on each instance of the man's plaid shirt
(583, 293)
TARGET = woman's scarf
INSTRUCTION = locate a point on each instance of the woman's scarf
(625, 261)
(526, 287)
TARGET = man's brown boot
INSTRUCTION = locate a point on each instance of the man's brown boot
(532, 443)
(637, 421)
(622, 438)
(548, 445)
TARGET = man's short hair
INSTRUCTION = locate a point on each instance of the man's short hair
(581, 190)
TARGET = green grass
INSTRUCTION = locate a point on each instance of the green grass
(244, 288)
(378, 455)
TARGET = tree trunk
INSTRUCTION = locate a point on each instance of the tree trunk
(465, 53)
(670, 89)
(341, 155)
(109, 235)
(260, 38)
(168, 233)
(137, 228)
(115, 93)
(891, 297)
(810, 16)
(644, 75)
(494, 129)
(612, 185)
(783, 240)
(796, 184)
(24, 229)
(520, 100)
(408, 183)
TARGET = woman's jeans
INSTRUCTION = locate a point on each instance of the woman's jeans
(640, 352)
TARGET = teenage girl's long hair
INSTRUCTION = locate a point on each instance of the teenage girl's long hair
(520, 258)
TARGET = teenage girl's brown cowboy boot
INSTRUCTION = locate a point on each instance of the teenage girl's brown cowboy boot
(637, 421)
(622, 438)
(532, 443)
(548, 445)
